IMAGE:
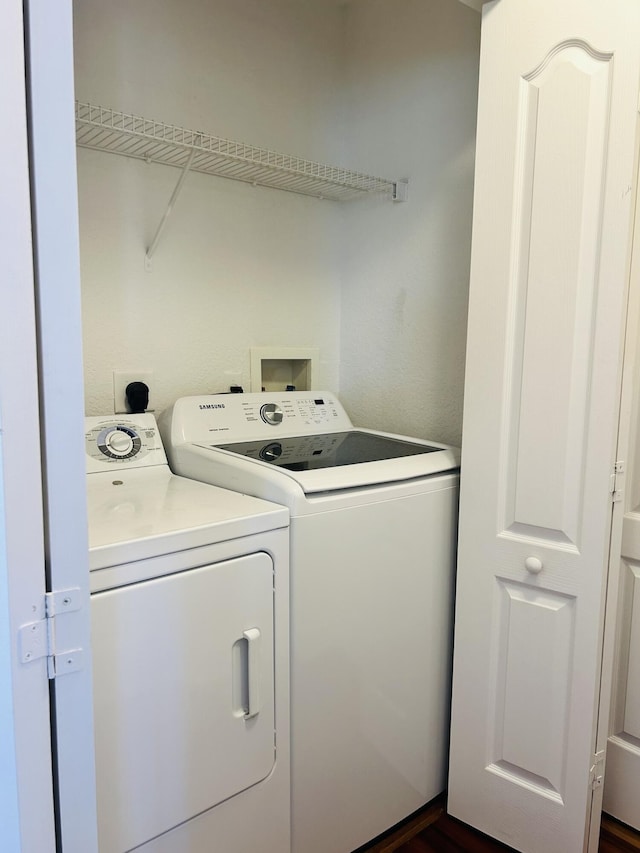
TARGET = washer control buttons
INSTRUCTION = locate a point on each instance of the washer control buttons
(271, 414)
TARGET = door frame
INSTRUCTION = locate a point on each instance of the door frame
(26, 783)
(52, 149)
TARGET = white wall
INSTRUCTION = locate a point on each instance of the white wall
(237, 266)
(412, 86)
(381, 86)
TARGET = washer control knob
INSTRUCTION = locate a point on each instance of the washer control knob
(119, 442)
(271, 414)
(271, 452)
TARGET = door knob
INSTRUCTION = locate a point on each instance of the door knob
(533, 565)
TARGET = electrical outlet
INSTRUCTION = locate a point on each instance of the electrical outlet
(233, 377)
(121, 378)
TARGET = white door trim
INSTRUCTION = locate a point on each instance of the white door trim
(56, 244)
(26, 785)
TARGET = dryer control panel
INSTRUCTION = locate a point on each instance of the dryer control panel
(122, 442)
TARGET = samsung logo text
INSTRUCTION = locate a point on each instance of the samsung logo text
(212, 405)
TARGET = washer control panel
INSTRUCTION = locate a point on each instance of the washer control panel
(129, 442)
(221, 418)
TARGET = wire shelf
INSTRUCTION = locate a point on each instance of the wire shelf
(104, 129)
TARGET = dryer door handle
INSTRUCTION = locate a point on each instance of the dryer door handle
(254, 643)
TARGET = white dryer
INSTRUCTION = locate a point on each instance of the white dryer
(373, 523)
(189, 608)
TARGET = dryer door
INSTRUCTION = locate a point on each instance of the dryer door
(183, 695)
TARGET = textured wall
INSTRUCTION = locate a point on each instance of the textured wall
(237, 266)
(381, 86)
(412, 87)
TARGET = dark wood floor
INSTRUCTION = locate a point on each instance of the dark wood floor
(433, 831)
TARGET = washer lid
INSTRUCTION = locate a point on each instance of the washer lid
(328, 450)
(142, 513)
(258, 474)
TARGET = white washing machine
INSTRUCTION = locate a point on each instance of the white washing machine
(373, 522)
(189, 609)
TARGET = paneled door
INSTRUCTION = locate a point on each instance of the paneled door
(555, 170)
(622, 777)
(622, 781)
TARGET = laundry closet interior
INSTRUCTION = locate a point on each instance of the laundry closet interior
(376, 287)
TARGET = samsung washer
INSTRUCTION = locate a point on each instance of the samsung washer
(373, 523)
(189, 609)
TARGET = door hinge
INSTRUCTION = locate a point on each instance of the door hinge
(596, 773)
(616, 482)
(38, 639)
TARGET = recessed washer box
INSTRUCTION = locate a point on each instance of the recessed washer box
(275, 368)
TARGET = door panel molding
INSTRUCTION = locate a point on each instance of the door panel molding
(535, 635)
(564, 123)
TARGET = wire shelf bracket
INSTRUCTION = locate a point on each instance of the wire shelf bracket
(104, 129)
(156, 239)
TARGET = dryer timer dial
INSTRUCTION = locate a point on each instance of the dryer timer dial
(119, 442)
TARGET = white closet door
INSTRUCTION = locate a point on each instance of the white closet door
(549, 277)
(183, 696)
(622, 782)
